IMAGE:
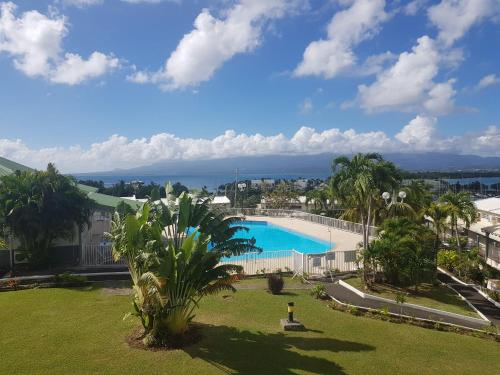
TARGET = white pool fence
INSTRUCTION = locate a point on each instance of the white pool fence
(330, 222)
(252, 263)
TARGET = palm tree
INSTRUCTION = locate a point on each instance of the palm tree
(173, 255)
(39, 207)
(360, 181)
(460, 207)
(437, 214)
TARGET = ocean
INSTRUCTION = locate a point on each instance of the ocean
(215, 180)
(212, 182)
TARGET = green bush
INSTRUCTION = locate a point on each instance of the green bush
(69, 278)
(275, 283)
(494, 295)
(319, 292)
(448, 259)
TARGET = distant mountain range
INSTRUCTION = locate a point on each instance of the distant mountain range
(303, 164)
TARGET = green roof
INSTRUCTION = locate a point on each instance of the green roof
(87, 189)
(8, 167)
(111, 201)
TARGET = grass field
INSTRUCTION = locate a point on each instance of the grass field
(438, 297)
(81, 331)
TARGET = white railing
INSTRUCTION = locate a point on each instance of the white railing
(339, 224)
(253, 263)
(98, 255)
(296, 262)
(265, 262)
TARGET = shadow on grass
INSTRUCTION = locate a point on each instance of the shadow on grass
(243, 352)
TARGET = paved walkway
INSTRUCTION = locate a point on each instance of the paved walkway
(477, 300)
(345, 295)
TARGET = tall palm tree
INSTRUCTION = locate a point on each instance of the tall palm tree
(359, 182)
(437, 213)
(173, 254)
(460, 207)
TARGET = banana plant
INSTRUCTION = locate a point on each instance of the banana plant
(173, 254)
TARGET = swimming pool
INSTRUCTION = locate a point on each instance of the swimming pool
(270, 237)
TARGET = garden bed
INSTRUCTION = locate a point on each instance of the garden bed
(434, 296)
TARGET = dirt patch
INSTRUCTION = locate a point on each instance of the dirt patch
(134, 340)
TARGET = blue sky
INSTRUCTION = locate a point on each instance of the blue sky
(98, 84)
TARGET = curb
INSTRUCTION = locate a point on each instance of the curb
(410, 318)
(418, 307)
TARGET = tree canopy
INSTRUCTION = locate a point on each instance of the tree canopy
(39, 207)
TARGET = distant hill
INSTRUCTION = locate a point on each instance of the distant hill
(304, 164)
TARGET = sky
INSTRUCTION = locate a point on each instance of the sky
(95, 85)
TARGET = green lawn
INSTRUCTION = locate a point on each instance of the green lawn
(438, 297)
(261, 283)
(78, 331)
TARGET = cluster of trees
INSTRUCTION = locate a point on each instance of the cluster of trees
(38, 207)
(281, 196)
(412, 225)
(141, 191)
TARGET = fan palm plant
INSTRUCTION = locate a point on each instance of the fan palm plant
(173, 255)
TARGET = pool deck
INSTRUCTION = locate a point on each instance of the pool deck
(342, 240)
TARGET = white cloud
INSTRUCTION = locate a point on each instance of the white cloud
(414, 6)
(440, 98)
(81, 3)
(34, 42)
(120, 152)
(87, 3)
(489, 80)
(306, 106)
(409, 84)
(213, 41)
(454, 18)
(74, 70)
(150, 1)
(419, 134)
(333, 55)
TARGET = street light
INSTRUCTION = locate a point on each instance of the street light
(386, 196)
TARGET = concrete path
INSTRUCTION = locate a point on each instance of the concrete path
(341, 240)
(488, 309)
(345, 295)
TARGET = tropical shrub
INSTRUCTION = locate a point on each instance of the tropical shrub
(39, 207)
(173, 255)
(493, 294)
(319, 292)
(468, 265)
(275, 282)
(69, 278)
(448, 259)
(404, 251)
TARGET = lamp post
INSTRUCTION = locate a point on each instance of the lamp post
(386, 196)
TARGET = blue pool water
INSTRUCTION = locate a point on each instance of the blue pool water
(270, 237)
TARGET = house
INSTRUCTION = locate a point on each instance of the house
(221, 201)
(485, 233)
(264, 183)
(76, 250)
(300, 203)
